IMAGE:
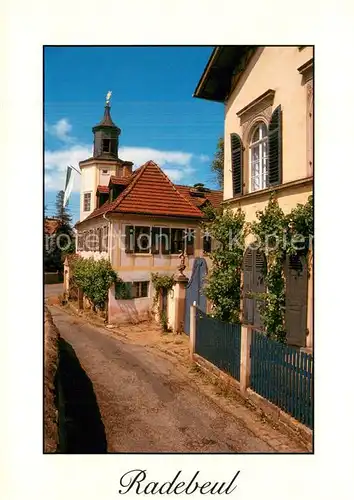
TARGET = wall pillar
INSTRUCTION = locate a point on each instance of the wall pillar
(309, 338)
(180, 303)
(192, 329)
(245, 367)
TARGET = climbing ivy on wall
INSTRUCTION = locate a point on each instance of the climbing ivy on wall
(277, 235)
(162, 283)
(270, 230)
(223, 286)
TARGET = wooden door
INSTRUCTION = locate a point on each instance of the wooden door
(296, 275)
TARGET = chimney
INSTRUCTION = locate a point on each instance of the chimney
(127, 169)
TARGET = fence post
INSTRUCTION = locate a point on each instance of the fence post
(245, 367)
(192, 329)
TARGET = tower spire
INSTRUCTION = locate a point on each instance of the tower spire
(106, 133)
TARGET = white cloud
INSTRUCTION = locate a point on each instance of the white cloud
(162, 158)
(177, 165)
(203, 158)
(61, 130)
(56, 163)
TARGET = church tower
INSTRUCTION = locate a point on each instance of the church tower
(106, 136)
(98, 169)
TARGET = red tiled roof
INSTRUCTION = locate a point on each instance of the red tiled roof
(103, 189)
(122, 181)
(150, 191)
(213, 196)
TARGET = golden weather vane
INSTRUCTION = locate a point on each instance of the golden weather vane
(108, 97)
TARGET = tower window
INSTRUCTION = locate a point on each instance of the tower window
(105, 145)
(87, 202)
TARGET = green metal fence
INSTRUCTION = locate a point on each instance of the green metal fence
(283, 375)
(219, 343)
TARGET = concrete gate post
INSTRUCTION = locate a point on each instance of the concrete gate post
(180, 303)
(245, 367)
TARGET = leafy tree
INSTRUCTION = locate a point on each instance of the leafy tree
(94, 277)
(223, 285)
(217, 165)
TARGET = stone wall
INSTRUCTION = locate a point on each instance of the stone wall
(51, 362)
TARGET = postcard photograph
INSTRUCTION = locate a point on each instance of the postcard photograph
(178, 237)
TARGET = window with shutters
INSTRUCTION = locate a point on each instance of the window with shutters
(177, 243)
(206, 243)
(189, 241)
(156, 240)
(236, 164)
(258, 157)
(275, 148)
(104, 244)
(142, 239)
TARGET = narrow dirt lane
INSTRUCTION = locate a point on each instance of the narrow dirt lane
(144, 401)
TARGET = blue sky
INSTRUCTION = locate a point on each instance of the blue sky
(151, 102)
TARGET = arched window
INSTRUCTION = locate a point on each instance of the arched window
(259, 157)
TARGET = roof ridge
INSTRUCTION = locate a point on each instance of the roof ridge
(175, 188)
(130, 186)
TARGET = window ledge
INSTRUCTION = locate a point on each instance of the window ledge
(259, 104)
(261, 192)
(306, 70)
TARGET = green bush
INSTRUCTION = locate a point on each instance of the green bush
(94, 277)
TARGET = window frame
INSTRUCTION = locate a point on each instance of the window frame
(148, 234)
(89, 194)
(137, 289)
(157, 246)
(263, 161)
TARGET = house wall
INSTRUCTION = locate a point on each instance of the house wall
(132, 267)
(138, 267)
(272, 68)
(128, 311)
(91, 177)
(87, 226)
(88, 185)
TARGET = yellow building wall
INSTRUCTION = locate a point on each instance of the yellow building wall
(273, 68)
(139, 267)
